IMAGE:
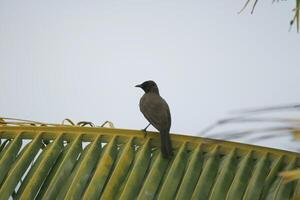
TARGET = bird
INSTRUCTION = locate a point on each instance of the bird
(156, 110)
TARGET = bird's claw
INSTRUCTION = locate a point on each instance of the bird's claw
(145, 132)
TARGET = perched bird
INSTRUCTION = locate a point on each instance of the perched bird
(157, 112)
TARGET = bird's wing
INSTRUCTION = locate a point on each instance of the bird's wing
(156, 111)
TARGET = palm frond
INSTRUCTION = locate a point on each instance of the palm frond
(290, 175)
(296, 10)
(286, 107)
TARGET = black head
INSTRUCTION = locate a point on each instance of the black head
(149, 86)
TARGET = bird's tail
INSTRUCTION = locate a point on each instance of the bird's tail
(166, 145)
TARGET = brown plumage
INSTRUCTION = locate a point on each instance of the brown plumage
(157, 112)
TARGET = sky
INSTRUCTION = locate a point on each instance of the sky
(81, 60)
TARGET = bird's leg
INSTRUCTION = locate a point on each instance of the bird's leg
(145, 130)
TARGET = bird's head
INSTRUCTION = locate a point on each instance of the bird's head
(149, 86)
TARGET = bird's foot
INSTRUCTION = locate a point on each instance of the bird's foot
(145, 131)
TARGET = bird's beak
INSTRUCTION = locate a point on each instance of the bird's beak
(138, 86)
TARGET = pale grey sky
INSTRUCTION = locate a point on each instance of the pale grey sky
(80, 60)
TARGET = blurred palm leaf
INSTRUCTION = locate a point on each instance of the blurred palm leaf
(296, 10)
(292, 126)
(291, 175)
